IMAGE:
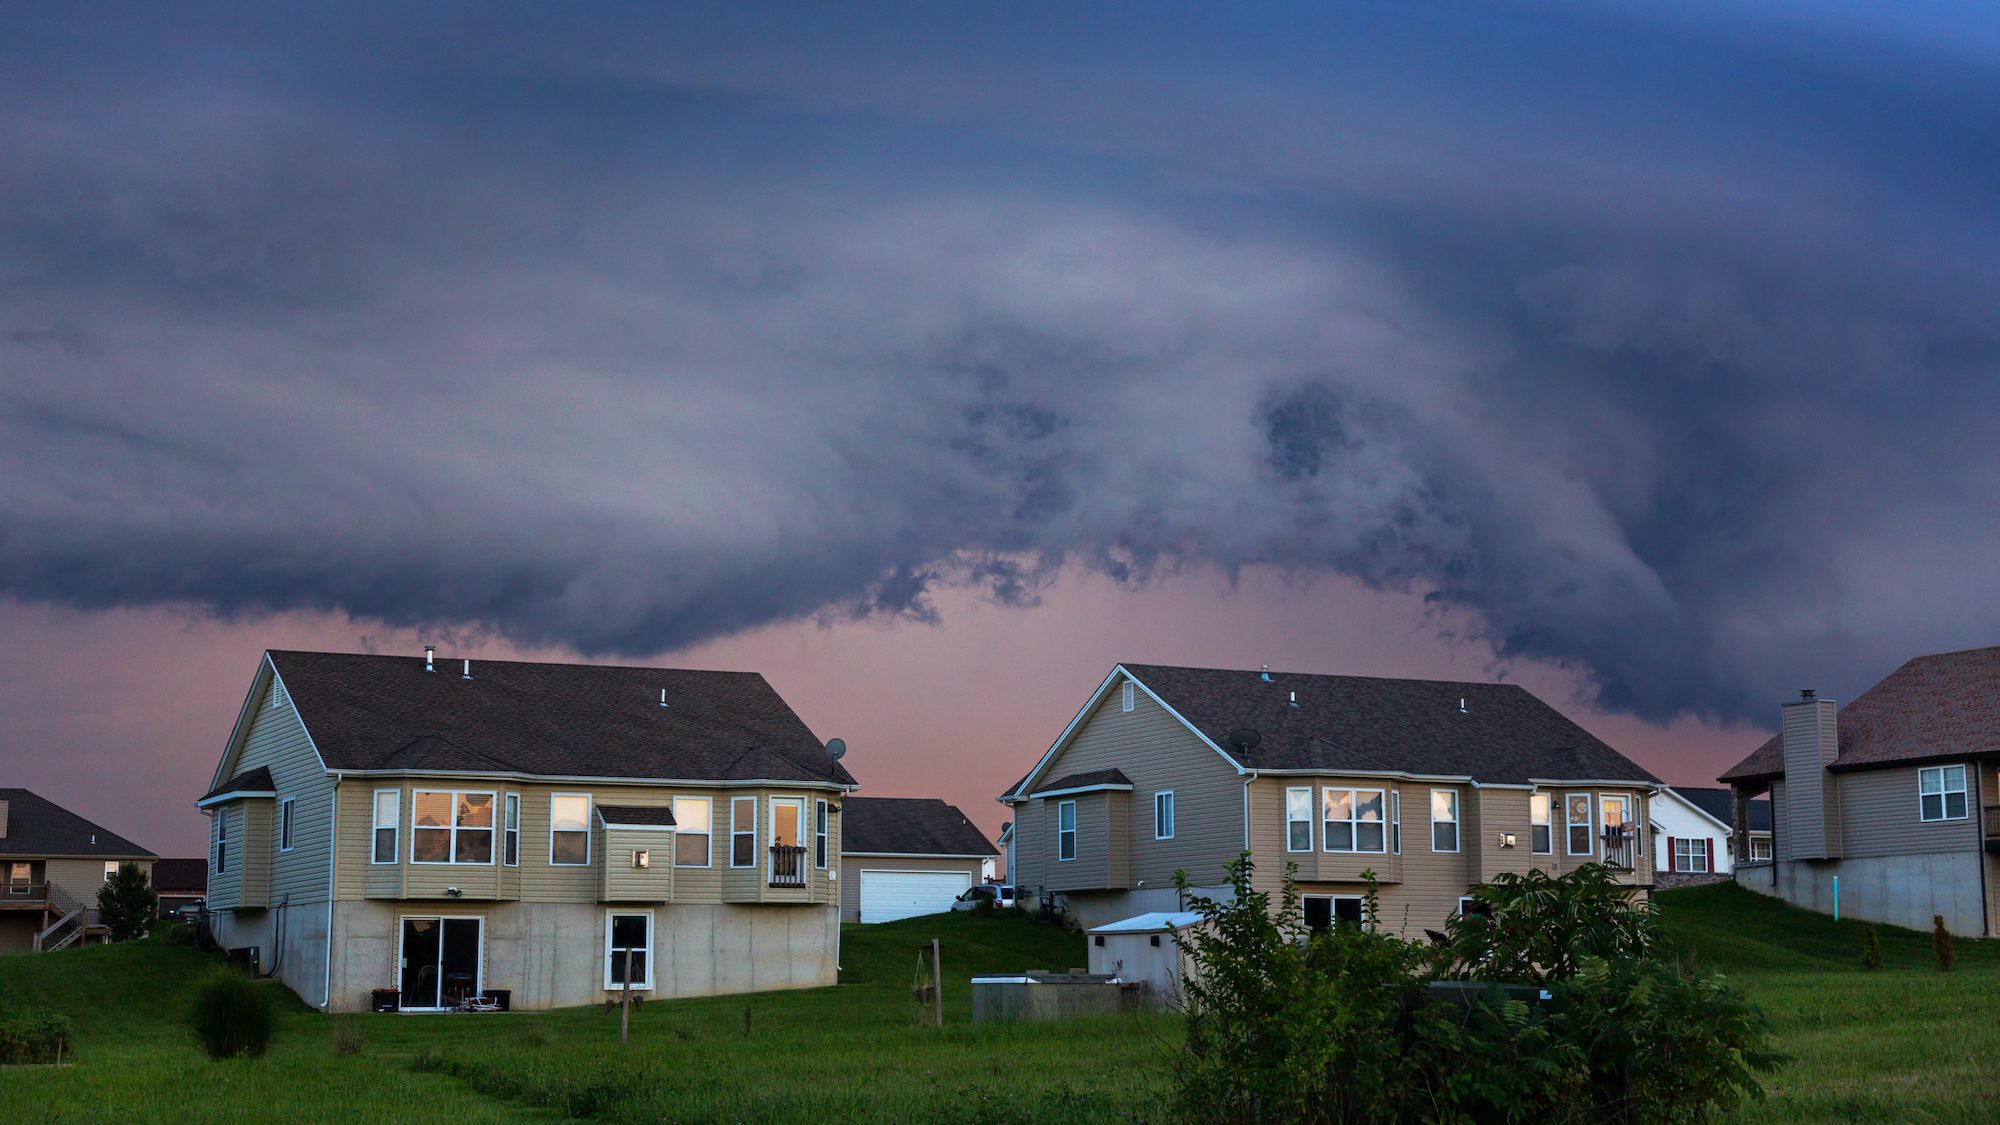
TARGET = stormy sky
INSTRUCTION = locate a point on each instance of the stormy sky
(933, 358)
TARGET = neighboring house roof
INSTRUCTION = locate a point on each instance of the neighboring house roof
(1368, 724)
(655, 816)
(180, 876)
(1715, 802)
(367, 713)
(1946, 705)
(255, 782)
(1088, 779)
(908, 826)
(37, 826)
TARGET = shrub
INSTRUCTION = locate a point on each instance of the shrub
(1540, 928)
(1871, 949)
(35, 1036)
(232, 1016)
(1947, 954)
(174, 933)
(126, 902)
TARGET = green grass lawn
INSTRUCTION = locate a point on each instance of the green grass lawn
(1904, 1044)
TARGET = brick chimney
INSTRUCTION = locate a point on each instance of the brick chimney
(1812, 794)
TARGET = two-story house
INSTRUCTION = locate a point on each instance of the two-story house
(1434, 787)
(53, 862)
(452, 829)
(1887, 808)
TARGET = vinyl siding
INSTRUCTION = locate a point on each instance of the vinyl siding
(278, 742)
(246, 885)
(1880, 815)
(853, 865)
(1808, 741)
(623, 882)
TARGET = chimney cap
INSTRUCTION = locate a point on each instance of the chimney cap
(1808, 693)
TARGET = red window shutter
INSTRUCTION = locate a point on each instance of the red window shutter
(1711, 855)
(1670, 854)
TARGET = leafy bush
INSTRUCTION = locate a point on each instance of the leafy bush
(174, 933)
(1947, 954)
(1871, 949)
(232, 1017)
(35, 1036)
(126, 902)
(1537, 927)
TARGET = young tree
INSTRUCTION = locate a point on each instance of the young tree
(127, 903)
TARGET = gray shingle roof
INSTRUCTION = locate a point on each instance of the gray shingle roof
(1715, 802)
(1083, 779)
(249, 781)
(565, 720)
(188, 876)
(1505, 735)
(637, 814)
(37, 826)
(908, 826)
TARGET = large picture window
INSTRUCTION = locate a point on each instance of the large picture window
(1066, 830)
(1941, 793)
(1299, 819)
(1444, 820)
(569, 829)
(628, 938)
(451, 826)
(1354, 820)
(1542, 823)
(388, 818)
(743, 832)
(692, 818)
(1576, 822)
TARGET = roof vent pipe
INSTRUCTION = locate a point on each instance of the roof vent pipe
(1461, 706)
(468, 671)
(430, 658)
(1295, 699)
(1264, 673)
(663, 697)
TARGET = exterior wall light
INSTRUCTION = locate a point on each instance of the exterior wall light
(642, 858)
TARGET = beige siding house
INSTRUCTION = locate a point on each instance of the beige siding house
(491, 828)
(52, 863)
(906, 856)
(1888, 807)
(1430, 787)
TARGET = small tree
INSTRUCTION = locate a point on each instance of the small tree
(1539, 928)
(127, 903)
(1941, 944)
(1871, 949)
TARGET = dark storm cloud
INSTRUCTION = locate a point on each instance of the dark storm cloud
(1665, 348)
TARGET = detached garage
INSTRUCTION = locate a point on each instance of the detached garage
(901, 857)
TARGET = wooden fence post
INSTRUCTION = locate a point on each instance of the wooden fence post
(937, 983)
(625, 1002)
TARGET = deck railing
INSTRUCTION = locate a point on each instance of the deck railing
(1620, 847)
(788, 865)
(28, 893)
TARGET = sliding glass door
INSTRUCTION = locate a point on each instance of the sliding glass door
(440, 961)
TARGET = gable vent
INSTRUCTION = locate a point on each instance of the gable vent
(1130, 698)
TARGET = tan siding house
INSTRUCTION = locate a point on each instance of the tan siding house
(1430, 788)
(527, 830)
(52, 863)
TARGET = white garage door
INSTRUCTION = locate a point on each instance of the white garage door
(889, 895)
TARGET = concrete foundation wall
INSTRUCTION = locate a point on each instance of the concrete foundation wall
(551, 955)
(290, 941)
(1898, 890)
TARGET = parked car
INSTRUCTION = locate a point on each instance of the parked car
(996, 893)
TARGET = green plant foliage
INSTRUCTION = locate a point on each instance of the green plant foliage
(232, 1016)
(35, 1036)
(1871, 949)
(127, 903)
(173, 932)
(1947, 953)
(1542, 927)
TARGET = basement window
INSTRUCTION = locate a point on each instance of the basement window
(628, 942)
(1941, 793)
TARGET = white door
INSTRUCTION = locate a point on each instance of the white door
(889, 895)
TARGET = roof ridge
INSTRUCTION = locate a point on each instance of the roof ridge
(1274, 672)
(515, 663)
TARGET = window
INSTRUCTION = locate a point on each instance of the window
(110, 869)
(285, 824)
(1541, 823)
(511, 847)
(451, 826)
(1298, 819)
(1941, 792)
(1396, 820)
(1470, 907)
(1322, 911)
(743, 832)
(569, 829)
(1690, 854)
(691, 829)
(1066, 830)
(388, 815)
(218, 842)
(819, 833)
(628, 945)
(1352, 820)
(1163, 815)
(1576, 822)
(1444, 820)
(1760, 848)
(1128, 698)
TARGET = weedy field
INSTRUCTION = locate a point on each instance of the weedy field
(1906, 1043)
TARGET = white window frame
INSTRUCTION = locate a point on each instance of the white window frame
(822, 844)
(111, 868)
(1457, 822)
(1760, 843)
(1548, 798)
(1168, 834)
(510, 829)
(452, 830)
(738, 829)
(1128, 698)
(1684, 849)
(218, 843)
(1065, 835)
(589, 845)
(1307, 792)
(1943, 793)
(1630, 813)
(1396, 821)
(611, 985)
(681, 834)
(395, 827)
(285, 823)
(1589, 824)
(1353, 821)
(1333, 907)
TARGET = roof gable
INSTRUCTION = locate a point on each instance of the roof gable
(37, 826)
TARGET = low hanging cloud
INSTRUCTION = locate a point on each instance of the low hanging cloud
(630, 352)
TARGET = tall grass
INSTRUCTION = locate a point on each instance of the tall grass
(232, 1016)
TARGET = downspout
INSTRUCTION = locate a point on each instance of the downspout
(1985, 909)
(332, 862)
(1248, 777)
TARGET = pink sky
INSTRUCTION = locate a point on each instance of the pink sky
(120, 715)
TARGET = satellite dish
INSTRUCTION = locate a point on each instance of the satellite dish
(1244, 739)
(835, 747)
